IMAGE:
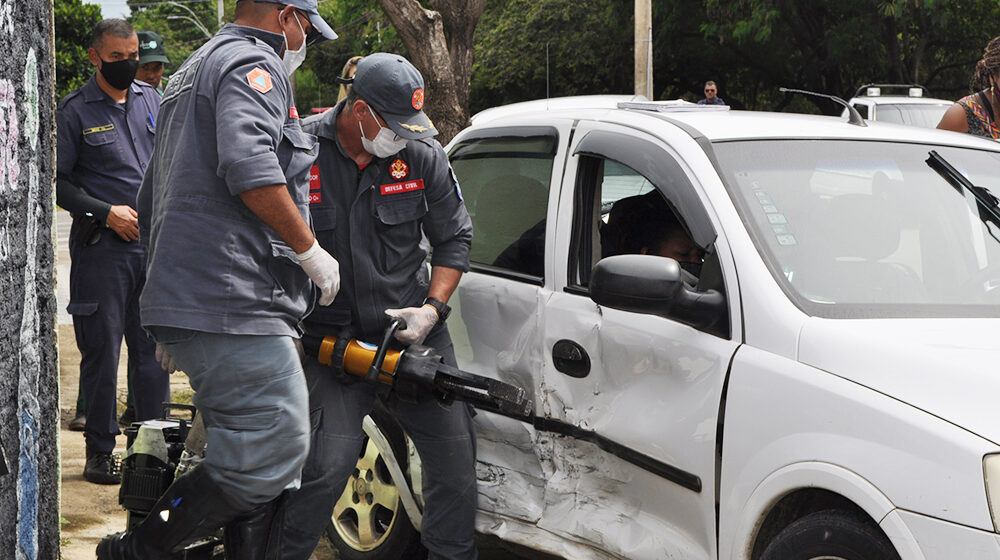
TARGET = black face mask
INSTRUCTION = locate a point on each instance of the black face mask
(693, 268)
(119, 74)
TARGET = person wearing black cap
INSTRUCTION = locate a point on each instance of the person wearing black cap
(152, 57)
(383, 181)
(223, 209)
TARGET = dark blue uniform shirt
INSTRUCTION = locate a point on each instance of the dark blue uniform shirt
(103, 146)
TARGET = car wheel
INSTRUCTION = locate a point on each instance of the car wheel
(369, 521)
(830, 535)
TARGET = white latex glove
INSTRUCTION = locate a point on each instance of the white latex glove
(323, 270)
(419, 322)
(166, 362)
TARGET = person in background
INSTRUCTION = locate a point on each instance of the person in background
(976, 114)
(711, 95)
(152, 58)
(105, 133)
(346, 76)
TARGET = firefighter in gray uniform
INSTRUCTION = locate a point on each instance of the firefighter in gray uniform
(382, 180)
(224, 210)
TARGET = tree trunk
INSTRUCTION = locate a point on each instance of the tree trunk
(440, 43)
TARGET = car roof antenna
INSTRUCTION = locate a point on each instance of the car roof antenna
(854, 117)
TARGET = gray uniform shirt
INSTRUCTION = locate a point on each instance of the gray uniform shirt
(371, 221)
(227, 125)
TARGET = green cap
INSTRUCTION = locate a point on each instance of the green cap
(151, 48)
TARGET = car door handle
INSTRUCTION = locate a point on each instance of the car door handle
(571, 359)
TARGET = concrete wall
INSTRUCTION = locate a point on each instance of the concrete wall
(29, 393)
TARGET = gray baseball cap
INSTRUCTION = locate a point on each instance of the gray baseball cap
(395, 89)
(324, 31)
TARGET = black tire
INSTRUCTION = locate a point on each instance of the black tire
(390, 535)
(831, 535)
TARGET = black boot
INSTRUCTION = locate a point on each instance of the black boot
(255, 535)
(192, 507)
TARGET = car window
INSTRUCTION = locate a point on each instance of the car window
(505, 183)
(862, 109)
(868, 229)
(619, 211)
(913, 114)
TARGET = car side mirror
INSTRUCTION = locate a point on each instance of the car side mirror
(654, 285)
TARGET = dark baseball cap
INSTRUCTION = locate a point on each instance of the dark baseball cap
(151, 48)
(310, 8)
(395, 89)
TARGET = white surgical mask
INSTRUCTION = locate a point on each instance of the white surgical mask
(385, 144)
(293, 59)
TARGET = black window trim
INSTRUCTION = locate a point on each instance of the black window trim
(641, 156)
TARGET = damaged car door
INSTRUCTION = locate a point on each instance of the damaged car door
(631, 396)
(508, 176)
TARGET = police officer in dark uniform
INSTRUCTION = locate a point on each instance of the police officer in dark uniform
(105, 134)
(382, 181)
(224, 210)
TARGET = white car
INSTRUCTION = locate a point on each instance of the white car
(899, 103)
(827, 387)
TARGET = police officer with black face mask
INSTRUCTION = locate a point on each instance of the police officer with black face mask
(105, 134)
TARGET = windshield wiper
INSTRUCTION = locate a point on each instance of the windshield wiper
(989, 206)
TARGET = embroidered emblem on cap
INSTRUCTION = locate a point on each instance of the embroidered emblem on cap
(259, 79)
(418, 98)
(414, 127)
(398, 169)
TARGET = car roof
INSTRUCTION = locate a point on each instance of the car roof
(712, 123)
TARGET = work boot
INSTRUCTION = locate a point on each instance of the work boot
(79, 422)
(127, 417)
(255, 535)
(193, 507)
(99, 469)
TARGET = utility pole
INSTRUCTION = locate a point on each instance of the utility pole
(644, 48)
(221, 12)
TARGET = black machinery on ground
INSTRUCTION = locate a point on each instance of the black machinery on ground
(163, 449)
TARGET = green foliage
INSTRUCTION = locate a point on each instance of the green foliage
(833, 46)
(363, 29)
(588, 43)
(174, 23)
(74, 21)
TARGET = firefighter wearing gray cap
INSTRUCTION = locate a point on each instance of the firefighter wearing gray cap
(380, 181)
(223, 208)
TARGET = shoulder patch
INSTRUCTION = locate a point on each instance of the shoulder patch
(259, 79)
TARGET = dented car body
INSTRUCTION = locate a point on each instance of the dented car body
(832, 365)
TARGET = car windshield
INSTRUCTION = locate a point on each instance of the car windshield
(869, 229)
(913, 114)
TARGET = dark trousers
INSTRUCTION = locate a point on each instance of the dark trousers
(445, 440)
(106, 278)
